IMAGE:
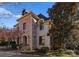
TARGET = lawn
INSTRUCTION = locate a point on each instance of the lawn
(63, 54)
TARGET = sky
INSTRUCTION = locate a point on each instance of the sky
(10, 12)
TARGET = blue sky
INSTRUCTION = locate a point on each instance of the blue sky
(10, 12)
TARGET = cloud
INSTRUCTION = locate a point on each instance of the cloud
(4, 13)
(7, 3)
(18, 16)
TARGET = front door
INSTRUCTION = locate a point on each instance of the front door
(25, 40)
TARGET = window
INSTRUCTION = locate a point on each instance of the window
(47, 34)
(24, 26)
(18, 40)
(41, 41)
(41, 26)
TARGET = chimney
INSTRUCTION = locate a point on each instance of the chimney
(24, 12)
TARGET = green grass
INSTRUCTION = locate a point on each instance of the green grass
(63, 55)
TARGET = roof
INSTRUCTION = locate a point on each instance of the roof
(32, 14)
(42, 16)
(16, 25)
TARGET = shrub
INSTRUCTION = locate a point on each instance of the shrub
(77, 48)
(37, 51)
(76, 52)
(4, 43)
(60, 52)
(44, 50)
(13, 44)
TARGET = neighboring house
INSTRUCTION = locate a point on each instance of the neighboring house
(33, 31)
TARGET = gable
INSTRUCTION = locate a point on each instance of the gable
(36, 18)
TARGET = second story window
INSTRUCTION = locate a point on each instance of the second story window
(41, 26)
(24, 26)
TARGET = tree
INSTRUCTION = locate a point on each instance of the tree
(74, 37)
(8, 34)
(61, 15)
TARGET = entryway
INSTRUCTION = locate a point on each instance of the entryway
(25, 40)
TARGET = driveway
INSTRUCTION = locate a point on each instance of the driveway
(13, 53)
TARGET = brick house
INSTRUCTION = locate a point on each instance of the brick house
(33, 31)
